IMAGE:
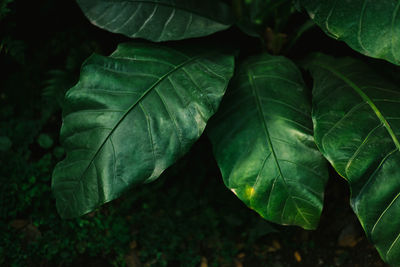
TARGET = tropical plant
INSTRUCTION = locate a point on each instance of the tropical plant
(136, 112)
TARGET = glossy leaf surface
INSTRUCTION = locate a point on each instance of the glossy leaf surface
(130, 116)
(368, 26)
(357, 128)
(262, 140)
(158, 20)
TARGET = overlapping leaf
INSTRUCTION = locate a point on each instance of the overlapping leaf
(357, 128)
(132, 115)
(158, 20)
(262, 140)
(370, 27)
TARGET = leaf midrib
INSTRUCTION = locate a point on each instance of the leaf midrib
(367, 99)
(260, 112)
(133, 106)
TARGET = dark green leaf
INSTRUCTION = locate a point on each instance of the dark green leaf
(132, 115)
(370, 27)
(263, 143)
(357, 128)
(159, 20)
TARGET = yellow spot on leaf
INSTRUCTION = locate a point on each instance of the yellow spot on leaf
(249, 192)
(204, 262)
(297, 256)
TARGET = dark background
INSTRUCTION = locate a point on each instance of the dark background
(187, 217)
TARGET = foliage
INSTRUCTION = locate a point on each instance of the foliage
(130, 116)
(366, 155)
(99, 116)
(161, 20)
(31, 231)
(143, 108)
(371, 28)
(261, 88)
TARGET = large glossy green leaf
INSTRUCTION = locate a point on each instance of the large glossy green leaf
(372, 27)
(130, 116)
(357, 128)
(262, 140)
(158, 20)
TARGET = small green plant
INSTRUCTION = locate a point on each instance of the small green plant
(136, 112)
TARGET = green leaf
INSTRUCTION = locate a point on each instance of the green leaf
(130, 116)
(262, 140)
(357, 127)
(158, 20)
(368, 26)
